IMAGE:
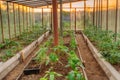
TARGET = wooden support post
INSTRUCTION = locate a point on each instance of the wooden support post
(19, 19)
(2, 32)
(23, 19)
(101, 12)
(55, 22)
(107, 15)
(32, 19)
(70, 16)
(42, 18)
(94, 13)
(84, 14)
(14, 19)
(99, 15)
(51, 20)
(61, 26)
(75, 20)
(27, 19)
(116, 19)
(9, 33)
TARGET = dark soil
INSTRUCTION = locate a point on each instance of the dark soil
(57, 67)
(92, 68)
(20, 67)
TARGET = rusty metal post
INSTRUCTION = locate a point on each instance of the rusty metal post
(8, 21)
(94, 13)
(107, 15)
(84, 14)
(61, 26)
(1, 23)
(75, 20)
(42, 18)
(55, 21)
(19, 19)
(116, 20)
(101, 12)
(14, 19)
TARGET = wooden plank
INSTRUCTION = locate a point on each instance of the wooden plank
(110, 71)
(15, 60)
(8, 66)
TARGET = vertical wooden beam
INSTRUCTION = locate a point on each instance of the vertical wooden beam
(14, 19)
(116, 19)
(19, 19)
(94, 13)
(27, 18)
(84, 14)
(61, 26)
(107, 15)
(75, 20)
(9, 33)
(42, 18)
(1, 23)
(101, 12)
(99, 15)
(55, 21)
(23, 19)
(70, 16)
(32, 19)
(51, 20)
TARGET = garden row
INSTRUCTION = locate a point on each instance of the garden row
(108, 50)
(56, 62)
(10, 47)
(14, 60)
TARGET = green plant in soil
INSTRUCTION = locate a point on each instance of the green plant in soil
(50, 75)
(73, 44)
(8, 54)
(73, 61)
(104, 41)
(41, 56)
(60, 49)
(75, 75)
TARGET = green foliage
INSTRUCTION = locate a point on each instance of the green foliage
(104, 40)
(41, 55)
(75, 75)
(8, 54)
(73, 44)
(50, 75)
(53, 57)
(74, 61)
(60, 49)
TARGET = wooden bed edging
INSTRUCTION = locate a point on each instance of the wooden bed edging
(110, 71)
(15, 60)
(83, 69)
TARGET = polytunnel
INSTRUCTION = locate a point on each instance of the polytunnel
(59, 40)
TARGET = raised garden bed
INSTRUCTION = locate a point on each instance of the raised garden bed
(22, 55)
(110, 71)
(58, 62)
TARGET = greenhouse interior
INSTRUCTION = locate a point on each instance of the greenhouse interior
(59, 39)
